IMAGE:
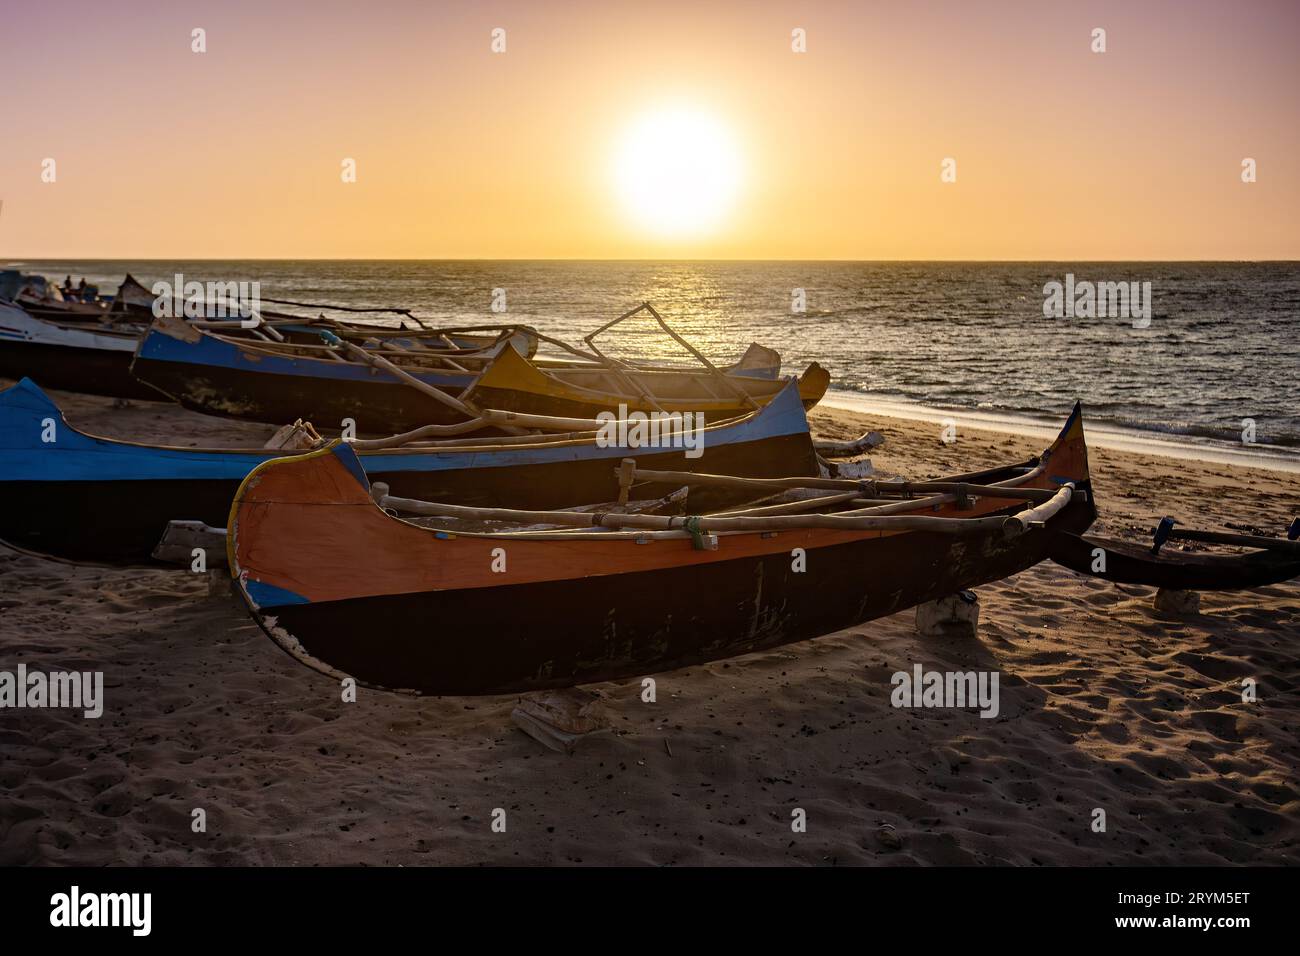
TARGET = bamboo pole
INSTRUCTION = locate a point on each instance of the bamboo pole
(872, 488)
(1009, 525)
(437, 394)
(587, 429)
(706, 523)
(740, 392)
(732, 386)
(512, 422)
(794, 507)
(412, 439)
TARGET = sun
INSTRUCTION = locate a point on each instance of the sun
(677, 171)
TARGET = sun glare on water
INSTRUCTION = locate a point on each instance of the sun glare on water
(677, 172)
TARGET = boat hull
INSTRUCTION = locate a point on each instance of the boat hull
(375, 406)
(67, 357)
(562, 633)
(72, 369)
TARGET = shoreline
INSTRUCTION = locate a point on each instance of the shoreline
(1277, 458)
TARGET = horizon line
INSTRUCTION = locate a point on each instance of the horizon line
(18, 260)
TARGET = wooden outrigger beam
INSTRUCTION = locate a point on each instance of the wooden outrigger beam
(1166, 531)
(699, 356)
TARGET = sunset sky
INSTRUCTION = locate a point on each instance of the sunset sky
(836, 153)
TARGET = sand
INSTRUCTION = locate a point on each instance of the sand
(1104, 704)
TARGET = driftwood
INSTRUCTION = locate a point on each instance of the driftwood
(859, 468)
(848, 449)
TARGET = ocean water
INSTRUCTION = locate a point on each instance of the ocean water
(1221, 351)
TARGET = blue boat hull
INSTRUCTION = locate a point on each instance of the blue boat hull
(216, 377)
(95, 500)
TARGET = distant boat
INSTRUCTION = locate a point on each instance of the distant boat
(351, 590)
(71, 353)
(86, 344)
(83, 498)
(515, 383)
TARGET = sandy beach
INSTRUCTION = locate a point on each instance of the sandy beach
(1104, 704)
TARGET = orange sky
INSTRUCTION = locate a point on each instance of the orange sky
(1061, 153)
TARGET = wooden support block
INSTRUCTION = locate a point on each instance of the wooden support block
(560, 719)
(219, 583)
(956, 615)
(1171, 601)
(182, 537)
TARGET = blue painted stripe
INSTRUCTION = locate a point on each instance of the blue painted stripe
(268, 595)
(348, 455)
(213, 352)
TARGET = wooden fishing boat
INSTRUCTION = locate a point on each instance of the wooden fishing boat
(350, 589)
(83, 498)
(335, 381)
(1267, 560)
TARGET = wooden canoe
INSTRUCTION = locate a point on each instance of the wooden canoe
(513, 382)
(350, 590)
(84, 498)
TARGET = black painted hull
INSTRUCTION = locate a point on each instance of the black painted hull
(1179, 570)
(557, 634)
(120, 522)
(380, 405)
(72, 369)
